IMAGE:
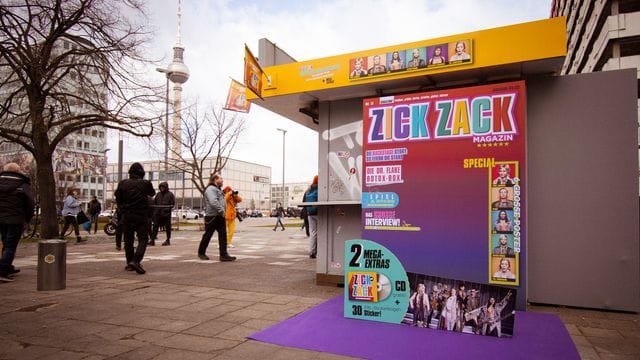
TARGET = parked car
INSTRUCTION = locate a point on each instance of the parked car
(255, 213)
(187, 214)
(293, 211)
(106, 213)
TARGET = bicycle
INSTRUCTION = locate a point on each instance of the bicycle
(32, 228)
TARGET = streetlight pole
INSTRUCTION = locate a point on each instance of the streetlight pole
(166, 123)
(104, 179)
(284, 132)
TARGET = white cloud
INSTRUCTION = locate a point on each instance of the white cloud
(214, 33)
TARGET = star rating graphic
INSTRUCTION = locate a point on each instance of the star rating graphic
(495, 144)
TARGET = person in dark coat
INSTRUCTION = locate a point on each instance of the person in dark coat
(132, 197)
(163, 204)
(16, 208)
(95, 208)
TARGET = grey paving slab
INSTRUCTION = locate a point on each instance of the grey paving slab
(185, 308)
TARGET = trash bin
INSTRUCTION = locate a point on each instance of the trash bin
(52, 265)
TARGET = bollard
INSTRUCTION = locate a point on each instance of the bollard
(52, 265)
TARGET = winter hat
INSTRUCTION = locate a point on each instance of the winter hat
(227, 189)
(315, 180)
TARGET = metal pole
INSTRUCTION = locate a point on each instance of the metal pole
(119, 160)
(283, 137)
(284, 132)
(166, 129)
(104, 179)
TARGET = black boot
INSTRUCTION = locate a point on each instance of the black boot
(152, 242)
(224, 255)
(80, 240)
(166, 243)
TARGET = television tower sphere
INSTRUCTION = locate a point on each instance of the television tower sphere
(177, 71)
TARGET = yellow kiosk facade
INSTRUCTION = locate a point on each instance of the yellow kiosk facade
(412, 140)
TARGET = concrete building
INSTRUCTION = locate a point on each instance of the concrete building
(79, 159)
(253, 181)
(293, 193)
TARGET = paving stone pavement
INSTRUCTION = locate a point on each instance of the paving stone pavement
(186, 308)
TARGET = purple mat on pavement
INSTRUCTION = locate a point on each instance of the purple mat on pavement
(323, 328)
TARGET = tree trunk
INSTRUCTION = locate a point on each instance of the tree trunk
(47, 194)
(49, 228)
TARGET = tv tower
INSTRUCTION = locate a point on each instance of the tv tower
(178, 74)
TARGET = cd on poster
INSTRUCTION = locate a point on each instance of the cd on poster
(384, 287)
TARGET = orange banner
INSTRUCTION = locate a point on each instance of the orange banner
(236, 98)
(252, 72)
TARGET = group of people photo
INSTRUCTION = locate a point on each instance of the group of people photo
(503, 255)
(449, 305)
(456, 52)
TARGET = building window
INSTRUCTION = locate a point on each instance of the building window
(93, 179)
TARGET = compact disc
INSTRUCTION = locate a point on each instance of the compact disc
(384, 287)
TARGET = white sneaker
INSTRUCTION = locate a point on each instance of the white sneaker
(231, 246)
(6, 278)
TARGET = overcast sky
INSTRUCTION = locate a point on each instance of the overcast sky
(214, 33)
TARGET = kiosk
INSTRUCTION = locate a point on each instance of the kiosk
(574, 152)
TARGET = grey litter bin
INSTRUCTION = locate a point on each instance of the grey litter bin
(52, 265)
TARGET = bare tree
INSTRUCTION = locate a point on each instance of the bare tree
(208, 135)
(68, 65)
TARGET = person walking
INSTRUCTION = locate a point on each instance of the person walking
(132, 197)
(311, 195)
(279, 215)
(214, 219)
(232, 198)
(16, 208)
(70, 209)
(94, 211)
(163, 204)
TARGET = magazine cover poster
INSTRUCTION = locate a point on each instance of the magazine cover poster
(443, 173)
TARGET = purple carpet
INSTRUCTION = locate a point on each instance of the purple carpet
(322, 328)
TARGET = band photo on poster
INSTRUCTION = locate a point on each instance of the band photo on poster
(460, 306)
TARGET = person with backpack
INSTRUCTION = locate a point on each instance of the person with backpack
(311, 195)
(95, 208)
